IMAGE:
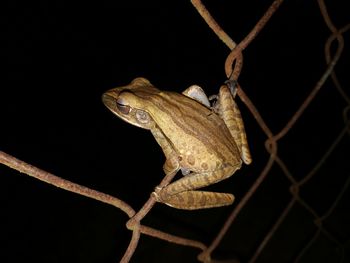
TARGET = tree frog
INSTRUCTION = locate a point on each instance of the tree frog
(206, 142)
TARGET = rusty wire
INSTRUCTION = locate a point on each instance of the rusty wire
(233, 66)
(271, 142)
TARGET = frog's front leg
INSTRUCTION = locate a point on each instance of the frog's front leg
(171, 164)
(181, 194)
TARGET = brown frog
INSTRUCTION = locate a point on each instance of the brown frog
(208, 144)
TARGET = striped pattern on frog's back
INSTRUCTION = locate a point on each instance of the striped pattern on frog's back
(195, 131)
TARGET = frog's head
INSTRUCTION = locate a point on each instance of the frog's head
(130, 102)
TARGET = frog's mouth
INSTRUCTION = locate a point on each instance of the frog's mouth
(109, 99)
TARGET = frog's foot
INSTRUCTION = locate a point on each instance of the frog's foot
(192, 200)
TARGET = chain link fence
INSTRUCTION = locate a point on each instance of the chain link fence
(316, 198)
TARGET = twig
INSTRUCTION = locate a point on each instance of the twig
(213, 24)
(49, 178)
(233, 74)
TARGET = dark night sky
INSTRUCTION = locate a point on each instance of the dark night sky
(60, 56)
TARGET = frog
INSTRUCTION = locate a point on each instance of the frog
(206, 141)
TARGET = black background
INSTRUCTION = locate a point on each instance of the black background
(59, 57)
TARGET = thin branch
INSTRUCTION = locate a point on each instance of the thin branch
(132, 245)
(329, 58)
(172, 238)
(49, 178)
(233, 74)
(202, 10)
(324, 156)
(272, 231)
(236, 54)
(322, 80)
(238, 208)
(312, 95)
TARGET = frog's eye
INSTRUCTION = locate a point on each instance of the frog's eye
(122, 107)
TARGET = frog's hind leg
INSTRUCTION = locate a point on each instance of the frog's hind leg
(181, 194)
(229, 112)
(192, 200)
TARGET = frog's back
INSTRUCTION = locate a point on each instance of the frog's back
(195, 131)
